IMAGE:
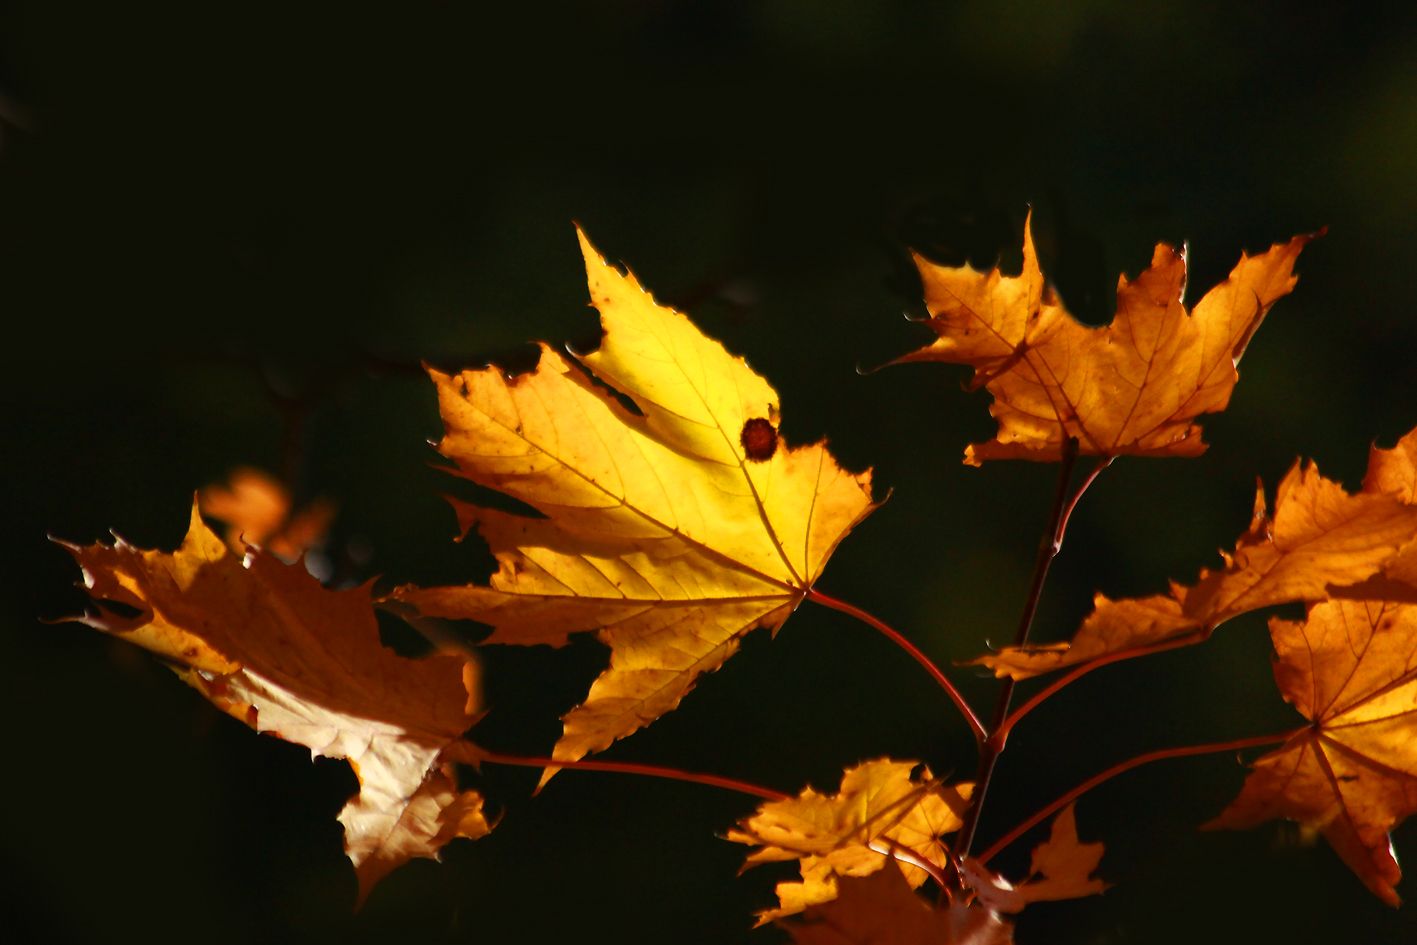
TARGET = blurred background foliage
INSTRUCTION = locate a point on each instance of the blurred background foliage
(230, 232)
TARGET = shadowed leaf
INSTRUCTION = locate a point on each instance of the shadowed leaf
(267, 644)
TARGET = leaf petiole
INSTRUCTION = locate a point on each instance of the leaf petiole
(1162, 754)
(899, 639)
(1068, 678)
(476, 754)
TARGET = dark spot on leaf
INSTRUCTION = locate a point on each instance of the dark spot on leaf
(759, 439)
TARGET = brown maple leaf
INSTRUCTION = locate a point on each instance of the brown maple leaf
(1134, 387)
(265, 642)
(1061, 868)
(880, 813)
(1351, 669)
(881, 909)
(672, 532)
(1320, 538)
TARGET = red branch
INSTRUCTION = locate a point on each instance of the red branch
(1160, 755)
(473, 754)
(1062, 682)
(993, 745)
(478, 754)
(896, 637)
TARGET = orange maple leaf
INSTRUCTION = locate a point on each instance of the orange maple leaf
(879, 813)
(1133, 387)
(1061, 868)
(1351, 669)
(672, 533)
(1320, 538)
(265, 642)
(880, 909)
(258, 511)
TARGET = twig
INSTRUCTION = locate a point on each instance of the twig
(992, 745)
(896, 637)
(1067, 679)
(1125, 766)
(475, 754)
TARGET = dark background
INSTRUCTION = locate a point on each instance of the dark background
(229, 232)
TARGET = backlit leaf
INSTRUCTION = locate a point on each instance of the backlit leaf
(1061, 868)
(1134, 387)
(880, 813)
(1351, 669)
(671, 532)
(1321, 538)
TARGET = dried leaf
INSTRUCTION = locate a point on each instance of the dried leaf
(880, 909)
(266, 643)
(672, 533)
(879, 813)
(1133, 387)
(1319, 539)
(1351, 669)
(1062, 868)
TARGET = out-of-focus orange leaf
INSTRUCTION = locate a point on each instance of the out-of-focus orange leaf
(1320, 539)
(1133, 387)
(1062, 868)
(880, 813)
(258, 511)
(1351, 669)
(881, 909)
(671, 532)
(266, 643)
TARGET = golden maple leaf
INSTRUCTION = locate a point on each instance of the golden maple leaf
(265, 642)
(1351, 669)
(879, 813)
(672, 532)
(1319, 539)
(1061, 868)
(1133, 387)
(880, 909)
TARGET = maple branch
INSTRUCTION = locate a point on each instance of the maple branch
(1083, 486)
(1067, 679)
(479, 754)
(1162, 754)
(899, 639)
(993, 744)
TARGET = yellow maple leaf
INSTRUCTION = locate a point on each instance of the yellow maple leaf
(1351, 669)
(1319, 539)
(1133, 387)
(266, 643)
(671, 532)
(879, 813)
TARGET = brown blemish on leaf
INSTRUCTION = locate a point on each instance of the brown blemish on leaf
(759, 439)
